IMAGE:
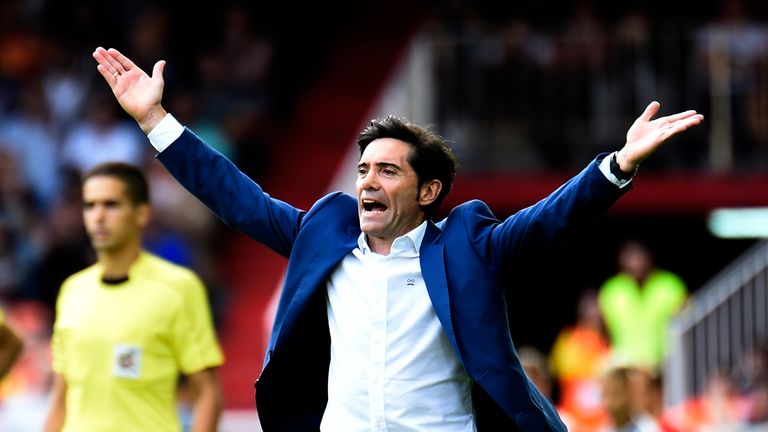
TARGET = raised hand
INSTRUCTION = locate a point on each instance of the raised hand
(646, 135)
(139, 94)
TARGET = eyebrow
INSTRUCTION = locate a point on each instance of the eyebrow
(381, 164)
(104, 201)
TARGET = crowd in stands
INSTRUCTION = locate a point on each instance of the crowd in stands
(58, 119)
(605, 370)
(521, 88)
(553, 92)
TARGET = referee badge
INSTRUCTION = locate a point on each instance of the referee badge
(127, 361)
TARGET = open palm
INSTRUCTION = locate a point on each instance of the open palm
(646, 135)
(138, 93)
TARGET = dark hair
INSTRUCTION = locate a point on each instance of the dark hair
(136, 186)
(430, 156)
(621, 374)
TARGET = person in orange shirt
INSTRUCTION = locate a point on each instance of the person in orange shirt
(578, 356)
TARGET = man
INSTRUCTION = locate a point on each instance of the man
(580, 353)
(617, 400)
(127, 326)
(640, 292)
(387, 320)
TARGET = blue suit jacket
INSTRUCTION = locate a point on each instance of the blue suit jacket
(463, 258)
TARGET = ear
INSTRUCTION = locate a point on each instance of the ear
(429, 191)
(143, 214)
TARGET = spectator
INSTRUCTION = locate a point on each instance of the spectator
(616, 397)
(640, 293)
(28, 134)
(578, 357)
(535, 365)
(102, 136)
(25, 389)
(731, 50)
(653, 404)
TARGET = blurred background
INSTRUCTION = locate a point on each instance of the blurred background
(528, 93)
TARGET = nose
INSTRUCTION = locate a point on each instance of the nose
(369, 181)
(96, 212)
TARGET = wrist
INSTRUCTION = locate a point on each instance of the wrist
(620, 172)
(628, 167)
(152, 119)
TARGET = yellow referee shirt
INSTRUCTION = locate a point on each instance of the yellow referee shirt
(120, 347)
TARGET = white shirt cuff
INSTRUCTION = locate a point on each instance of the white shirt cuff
(605, 167)
(165, 133)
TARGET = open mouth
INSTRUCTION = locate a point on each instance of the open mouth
(373, 206)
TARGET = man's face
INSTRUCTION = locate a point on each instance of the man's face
(111, 219)
(387, 196)
(635, 260)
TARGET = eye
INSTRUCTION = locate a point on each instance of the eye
(388, 171)
(361, 171)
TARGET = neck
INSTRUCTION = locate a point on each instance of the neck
(116, 264)
(383, 245)
(379, 245)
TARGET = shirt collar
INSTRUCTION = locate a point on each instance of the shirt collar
(408, 241)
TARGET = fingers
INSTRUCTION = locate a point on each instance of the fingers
(650, 111)
(124, 62)
(113, 63)
(111, 77)
(682, 125)
(680, 116)
(672, 124)
(672, 129)
(105, 66)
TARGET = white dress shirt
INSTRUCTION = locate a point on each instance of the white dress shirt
(392, 367)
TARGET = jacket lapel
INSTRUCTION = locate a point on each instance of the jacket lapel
(327, 253)
(433, 269)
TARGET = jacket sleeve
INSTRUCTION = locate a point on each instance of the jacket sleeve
(535, 231)
(234, 197)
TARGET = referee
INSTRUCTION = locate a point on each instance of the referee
(127, 326)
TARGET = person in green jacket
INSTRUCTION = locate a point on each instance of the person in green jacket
(638, 304)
